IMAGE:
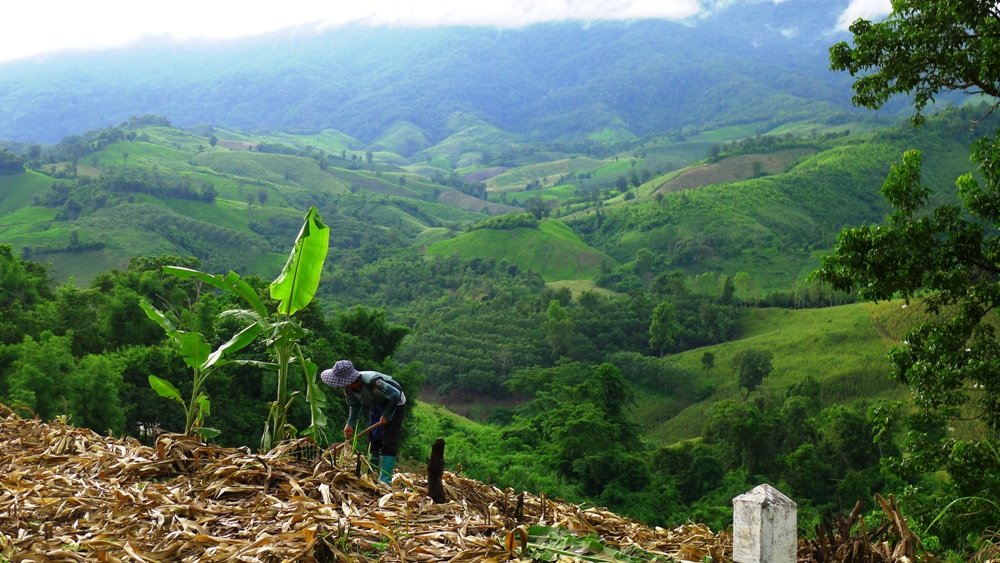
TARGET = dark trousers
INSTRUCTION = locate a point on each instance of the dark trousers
(384, 440)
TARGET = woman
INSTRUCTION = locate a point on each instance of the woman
(384, 397)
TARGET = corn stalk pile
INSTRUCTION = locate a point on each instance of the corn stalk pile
(69, 494)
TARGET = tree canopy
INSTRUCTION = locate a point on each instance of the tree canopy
(923, 48)
(946, 256)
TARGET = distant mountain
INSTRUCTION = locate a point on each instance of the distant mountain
(749, 63)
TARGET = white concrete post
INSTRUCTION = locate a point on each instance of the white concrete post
(764, 527)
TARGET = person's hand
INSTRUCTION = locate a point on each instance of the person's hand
(348, 432)
(383, 421)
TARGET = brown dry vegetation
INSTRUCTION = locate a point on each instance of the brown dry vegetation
(69, 494)
(732, 169)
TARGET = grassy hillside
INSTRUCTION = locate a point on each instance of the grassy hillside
(734, 169)
(840, 348)
(143, 192)
(19, 191)
(547, 173)
(770, 226)
(552, 250)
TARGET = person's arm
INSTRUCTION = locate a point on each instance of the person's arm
(353, 408)
(392, 395)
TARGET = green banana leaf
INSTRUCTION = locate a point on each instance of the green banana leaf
(239, 341)
(230, 283)
(295, 287)
(165, 389)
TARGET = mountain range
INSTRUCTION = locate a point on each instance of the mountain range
(761, 63)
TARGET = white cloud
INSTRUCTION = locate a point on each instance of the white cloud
(867, 9)
(42, 26)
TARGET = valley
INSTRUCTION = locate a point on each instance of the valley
(642, 265)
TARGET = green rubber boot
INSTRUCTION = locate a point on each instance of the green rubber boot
(388, 464)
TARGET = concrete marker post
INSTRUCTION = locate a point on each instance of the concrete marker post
(764, 527)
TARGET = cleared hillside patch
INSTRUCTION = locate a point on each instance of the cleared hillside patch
(552, 250)
(839, 347)
(19, 190)
(734, 169)
(515, 179)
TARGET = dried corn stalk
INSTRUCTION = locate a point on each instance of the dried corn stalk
(68, 494)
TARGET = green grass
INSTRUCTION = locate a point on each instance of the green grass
(469, 140)
(19, 190)
(176, 138)
(331, 141)
(839, 347)
(562, 192)
(552, 250)
(430, 236)
(292, 171)
(26, 225)
(725, 134)
(402, 138)
(516, 178)
(611, 135)
(80, 267)
(579, 286)
(141, 154)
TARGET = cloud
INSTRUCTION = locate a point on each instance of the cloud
(867, 9)
(41, 26)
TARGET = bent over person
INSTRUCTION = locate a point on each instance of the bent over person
(384, 397)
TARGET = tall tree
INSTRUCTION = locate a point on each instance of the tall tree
(559, 330)
(948, 256)
(664, 327)
(752, 366)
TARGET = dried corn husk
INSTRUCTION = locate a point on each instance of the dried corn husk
(69, 494)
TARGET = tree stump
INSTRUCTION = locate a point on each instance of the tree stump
(435, 470)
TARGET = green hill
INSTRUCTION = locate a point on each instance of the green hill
(149, 190)
(840, 348)
(772, 226)
(551, 249)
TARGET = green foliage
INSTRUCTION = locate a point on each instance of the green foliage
(664, 327)
(47, 380)
(200, 358)
(23, 285)
(895, 56)
(752, 366)
(376, 337)
(578, 418)
(530, 249)
(507, 222)
(945, 255)
(546, 543)
(10, 163)
(295, 287)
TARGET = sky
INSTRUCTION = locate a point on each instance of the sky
(35, 27)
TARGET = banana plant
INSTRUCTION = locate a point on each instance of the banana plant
(198, 356)
(294, 289)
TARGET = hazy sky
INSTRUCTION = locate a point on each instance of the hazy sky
(31, 27)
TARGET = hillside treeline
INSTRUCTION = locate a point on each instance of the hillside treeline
(86, 354)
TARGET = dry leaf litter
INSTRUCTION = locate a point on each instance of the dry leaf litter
(69, 494)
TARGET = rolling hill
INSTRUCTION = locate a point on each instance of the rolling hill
(551, 249)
